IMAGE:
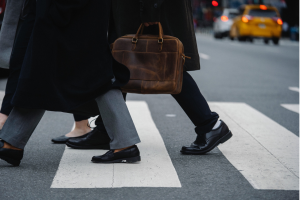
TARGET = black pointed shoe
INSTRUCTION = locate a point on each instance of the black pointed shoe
(63, 139)
(96, 139)
(129, 155)
(11, 156)
(207, 142)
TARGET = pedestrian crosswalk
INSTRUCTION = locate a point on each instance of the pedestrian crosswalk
(263, 151)
(155, 170)
(266, 153)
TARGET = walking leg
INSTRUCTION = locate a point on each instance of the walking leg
(120, 128)
(195, 105)
(16, 132)
(210, 131)
(117, 120)
(20, 125)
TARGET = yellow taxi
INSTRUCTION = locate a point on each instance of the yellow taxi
(257, 21)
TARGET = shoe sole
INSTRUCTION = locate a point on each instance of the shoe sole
(11, 161)
(220, 141)
(124, 160)
(55, 142)
(103, 146)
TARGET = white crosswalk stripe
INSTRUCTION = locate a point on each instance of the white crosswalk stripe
(155, 170)
(291, 107)
(266, 153)
(1, 96)
(204, 56)
(295, 89)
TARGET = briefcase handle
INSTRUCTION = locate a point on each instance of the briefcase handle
(141, 29)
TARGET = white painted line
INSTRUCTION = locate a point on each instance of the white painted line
(170, 115)
(155, 169)
(296, 89)
(292, 107)
(266, 153)
(2, 93)
(204, 56)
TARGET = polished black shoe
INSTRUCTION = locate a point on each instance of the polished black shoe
(11, 156)
(207, 142)
(96, 139)
(129, 155)
(63, 139)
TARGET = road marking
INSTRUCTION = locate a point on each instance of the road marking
(291, 107)
(170, 115)
(2, 93)
(155, 170)
(296, 89)
(204, 56)
(266, 153)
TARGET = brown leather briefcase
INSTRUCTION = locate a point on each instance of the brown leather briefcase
(155, 62)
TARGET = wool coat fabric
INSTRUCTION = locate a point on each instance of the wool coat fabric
(68, 62)
(8, 30)
(175, 16)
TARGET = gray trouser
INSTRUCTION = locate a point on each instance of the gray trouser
(22, 122)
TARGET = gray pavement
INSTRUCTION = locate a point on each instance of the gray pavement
(256, 74)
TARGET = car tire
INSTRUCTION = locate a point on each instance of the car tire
(275, 41)
(266, 41)
(242, 39)
(231, 38)
(217, 36)
(250, 40)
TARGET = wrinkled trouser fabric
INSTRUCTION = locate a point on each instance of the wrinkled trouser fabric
(22, 122)
(194, 105)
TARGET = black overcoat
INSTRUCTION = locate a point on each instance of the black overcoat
(68, 61)
(175, 16)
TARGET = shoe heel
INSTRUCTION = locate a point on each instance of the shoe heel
(132, 160)
(11, 161)
(226, 137)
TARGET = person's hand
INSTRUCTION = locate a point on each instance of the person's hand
(150, 23)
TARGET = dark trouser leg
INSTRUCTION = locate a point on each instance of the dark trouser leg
(79, 118)
(195, 106)
(16, 60)
(20, 125)
(117, 120)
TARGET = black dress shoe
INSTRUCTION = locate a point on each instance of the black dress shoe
(11, 156)
(96, 139)
(207, 142)
(129, 155)
(63, 139)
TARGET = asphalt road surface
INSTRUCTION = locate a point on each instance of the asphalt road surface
(254, 88)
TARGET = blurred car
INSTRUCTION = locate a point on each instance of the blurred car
(257, 21)
(223, 23)
(2, 8)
